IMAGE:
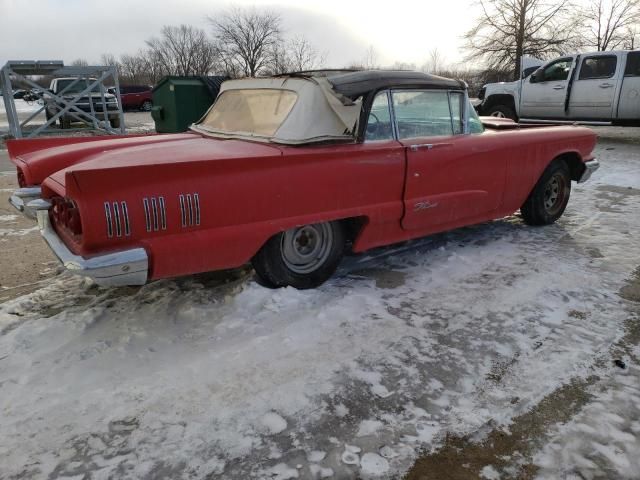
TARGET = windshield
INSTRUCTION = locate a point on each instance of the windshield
(252, 111)
(79, 86)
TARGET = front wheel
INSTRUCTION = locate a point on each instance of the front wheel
(302, 257)
(548, 199)
(502, 111)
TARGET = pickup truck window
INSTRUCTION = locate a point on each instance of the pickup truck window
(422, 113)
(598, 67)
(633, 65)
(379, 124)
(557, 71)
(250, 111)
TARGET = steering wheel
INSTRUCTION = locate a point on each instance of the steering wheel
(372, 128)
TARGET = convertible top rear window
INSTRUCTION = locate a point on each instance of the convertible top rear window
(257, 112)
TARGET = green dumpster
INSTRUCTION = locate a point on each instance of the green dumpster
(180, 101)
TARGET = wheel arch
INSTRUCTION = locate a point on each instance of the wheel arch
(574, 162)
(499, 99)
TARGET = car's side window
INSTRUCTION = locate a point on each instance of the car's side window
(598, 67)
(379, 125)
(557, 71)
(633, 65)
(456, 100)
(422, 113)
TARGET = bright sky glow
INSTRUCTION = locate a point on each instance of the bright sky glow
(403, 30)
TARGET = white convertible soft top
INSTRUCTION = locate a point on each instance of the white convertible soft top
(318, 114)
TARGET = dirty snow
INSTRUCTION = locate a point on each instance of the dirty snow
(213, 376)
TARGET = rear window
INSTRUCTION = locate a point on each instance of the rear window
(252, 111)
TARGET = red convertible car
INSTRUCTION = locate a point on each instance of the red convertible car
(289, 172)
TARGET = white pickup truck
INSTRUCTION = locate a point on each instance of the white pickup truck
(599, 87)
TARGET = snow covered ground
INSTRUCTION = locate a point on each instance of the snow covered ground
(213, 376)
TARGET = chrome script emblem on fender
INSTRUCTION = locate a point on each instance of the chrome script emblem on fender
(423, 206)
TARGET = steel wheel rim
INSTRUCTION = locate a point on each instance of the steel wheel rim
(555, 193)
(305, 249)
(498, 114)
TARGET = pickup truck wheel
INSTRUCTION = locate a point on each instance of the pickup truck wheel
(502, 111)
(303, 257)
(146, 106)
(549, 198)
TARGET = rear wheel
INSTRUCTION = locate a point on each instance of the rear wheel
(302, 257)
(146, 106)
(548, 199)
(502, 111)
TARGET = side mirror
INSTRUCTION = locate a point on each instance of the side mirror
(537, 76)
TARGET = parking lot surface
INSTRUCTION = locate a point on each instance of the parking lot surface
(496, 351)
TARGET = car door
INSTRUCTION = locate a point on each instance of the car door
(451, 178)
(629, 102)
(594, 89)
(544, 92)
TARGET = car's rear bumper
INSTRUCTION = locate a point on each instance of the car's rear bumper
(21, 198)
(590, 167)
(126, 267)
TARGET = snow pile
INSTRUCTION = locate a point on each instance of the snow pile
(604, 438)
(216, 376)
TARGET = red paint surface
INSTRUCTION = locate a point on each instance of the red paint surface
(251, 191)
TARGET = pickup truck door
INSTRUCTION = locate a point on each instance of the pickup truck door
(594, 89)
(543, 95)
(629, 103)
(451, 178)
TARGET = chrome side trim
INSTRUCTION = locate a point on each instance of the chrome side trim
(154, 211)
(125, 216)
(196, 201)
(163, 213)
(127, 267)
(183, 215)
(190, 206)
(116, 215)
(589, 167)
(147, 213)
(107, 212)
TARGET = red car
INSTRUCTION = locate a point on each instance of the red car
(135, 97)
(291, 171)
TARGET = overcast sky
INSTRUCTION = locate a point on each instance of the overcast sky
(400, 30)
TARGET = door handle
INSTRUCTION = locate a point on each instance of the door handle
(606, 85)
(559, 87)
(428, 146)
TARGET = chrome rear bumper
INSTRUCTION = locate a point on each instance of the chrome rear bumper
(127, 267)
(21, 198)
(590, 167)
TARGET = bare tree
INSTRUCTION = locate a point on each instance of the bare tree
(109, 59)
(183, 50)
(80, 62)
(303, 55)
(607, 23)
(509, 29)
(435, 62)
(247, 39)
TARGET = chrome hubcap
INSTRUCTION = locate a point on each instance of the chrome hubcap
(554, 194)
(498, 115)
(305, 249)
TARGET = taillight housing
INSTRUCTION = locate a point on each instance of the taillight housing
(65, 213)
(22, 181)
